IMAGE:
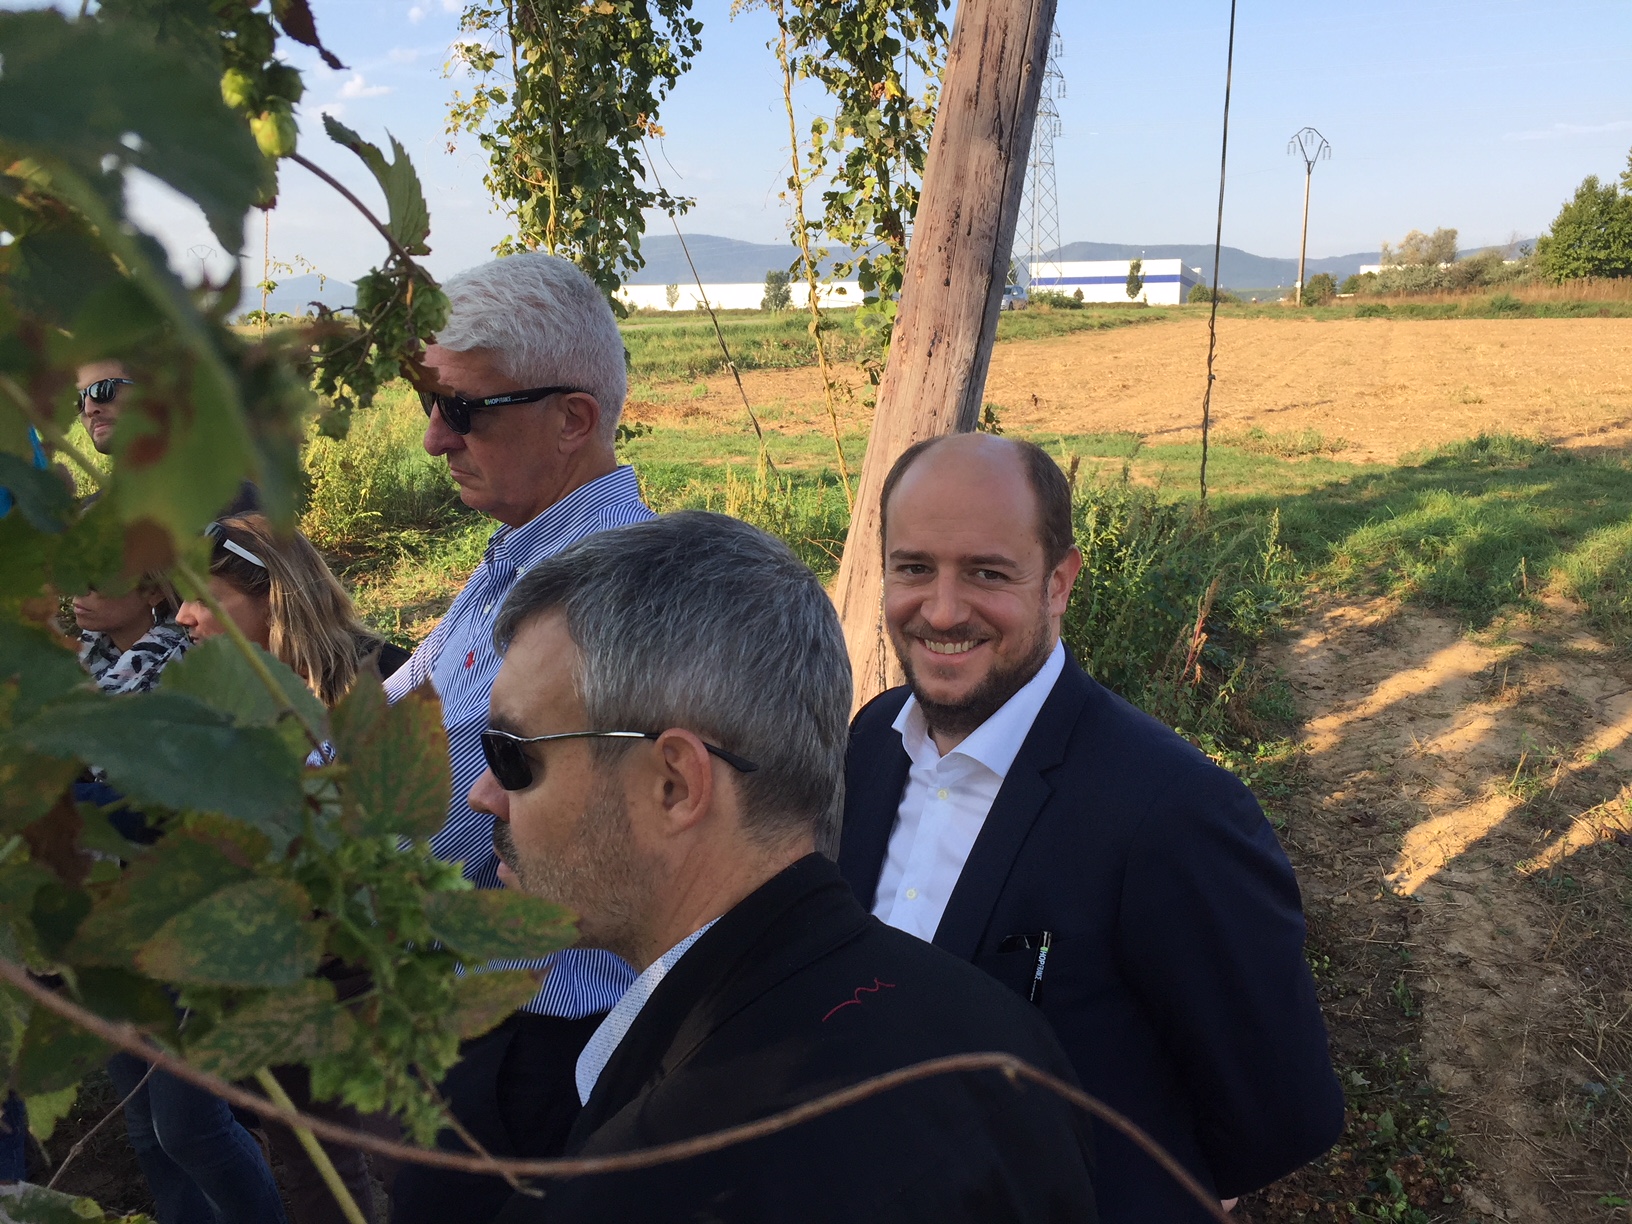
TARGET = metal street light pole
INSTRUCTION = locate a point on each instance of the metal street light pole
(1311, 146)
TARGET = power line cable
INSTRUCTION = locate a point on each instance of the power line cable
(1218, 247)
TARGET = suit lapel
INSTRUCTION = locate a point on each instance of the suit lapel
(723, 972)
(1019, 801)
(875, 779)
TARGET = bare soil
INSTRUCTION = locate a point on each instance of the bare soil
(1386, 386)
(1461, 828)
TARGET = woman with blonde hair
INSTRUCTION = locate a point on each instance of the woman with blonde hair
(281, 593)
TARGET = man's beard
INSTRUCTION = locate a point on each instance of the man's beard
(987, 697)
(598, 876)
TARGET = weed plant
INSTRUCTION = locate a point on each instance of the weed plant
(1170, 600)
(377, 479)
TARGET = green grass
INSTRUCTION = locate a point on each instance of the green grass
(1476, 527)
(681, 347)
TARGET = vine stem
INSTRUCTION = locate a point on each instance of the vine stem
(75, 1151)
(201, 588)
(314, 1150)
(328, 178)
(127, 1037)
(49, 431)
(803, 232)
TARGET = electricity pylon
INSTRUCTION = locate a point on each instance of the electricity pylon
(1311, 146)
(1038, 228)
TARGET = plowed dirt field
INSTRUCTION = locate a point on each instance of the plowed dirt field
(1387, 387)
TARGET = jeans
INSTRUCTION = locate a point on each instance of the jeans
(13, 1140)
(201, 1164)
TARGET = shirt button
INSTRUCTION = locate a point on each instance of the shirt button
(912, 894)
(486, 608)
(941, 794)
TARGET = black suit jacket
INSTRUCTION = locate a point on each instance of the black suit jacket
(797, 992)
(1176, 979)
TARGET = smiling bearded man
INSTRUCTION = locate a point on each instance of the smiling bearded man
(1005, 806)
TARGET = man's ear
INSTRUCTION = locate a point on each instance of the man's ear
(580, 419)
(682, 781)
(1062, 580)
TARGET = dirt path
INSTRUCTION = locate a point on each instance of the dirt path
(1464, 775)
(1386, 386)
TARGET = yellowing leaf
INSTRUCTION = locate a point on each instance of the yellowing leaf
(284, 1026)
(176, 874)
(245, 935)
(497, 924)
(484, 999)
(398, 778)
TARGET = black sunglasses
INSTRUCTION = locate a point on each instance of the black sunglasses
(456, 409)
(515, 772)
(103, 390)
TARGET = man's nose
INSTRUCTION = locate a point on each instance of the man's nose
(439, 439)
(486, 795)
(945, 605)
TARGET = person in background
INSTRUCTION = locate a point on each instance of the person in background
(529, 382)
(280, 593)
(13, 1113)
(1007, 807)
(125, 640)
(201, 1164)
(666, 759)
(103, 388)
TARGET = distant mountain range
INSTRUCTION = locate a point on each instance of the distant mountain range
(728, 261)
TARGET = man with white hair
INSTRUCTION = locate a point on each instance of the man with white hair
(529, 382)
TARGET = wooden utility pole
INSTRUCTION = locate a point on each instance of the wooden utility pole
(956, 268)
(1311, 146)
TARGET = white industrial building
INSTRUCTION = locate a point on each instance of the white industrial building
(743, 296)
(1167, 281)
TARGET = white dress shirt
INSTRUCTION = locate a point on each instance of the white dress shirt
(604, 1041)
(946, 801)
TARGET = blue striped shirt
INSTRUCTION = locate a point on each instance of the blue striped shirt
(459, 660)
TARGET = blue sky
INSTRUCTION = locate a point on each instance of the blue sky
(1483, 116)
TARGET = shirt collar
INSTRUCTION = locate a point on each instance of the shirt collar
(609, 1034)
(996, 742)
(575, 515)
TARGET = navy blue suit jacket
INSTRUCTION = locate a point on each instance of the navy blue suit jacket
(1175, 980)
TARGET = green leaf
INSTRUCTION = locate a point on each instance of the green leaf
(285, 1026)
(177, 873)
(46, 1109)
(55, 1054)
(217, 673)
(118, 994)
(31, 786)
(26, 1204)
(496, 924)
(57, 913)
(173, 751)
(482, 1000)
(86, 90)
(41, 496)
(398, 778)
(408, 220)
(43, 666)
(253, 934)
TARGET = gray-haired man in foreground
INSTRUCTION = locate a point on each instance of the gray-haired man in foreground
(666, 757)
